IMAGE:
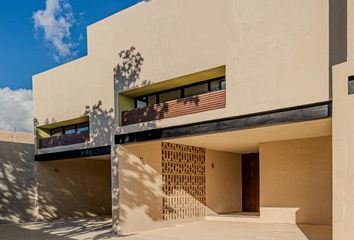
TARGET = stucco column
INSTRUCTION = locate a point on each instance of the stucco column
(115, 185)
(343, 153)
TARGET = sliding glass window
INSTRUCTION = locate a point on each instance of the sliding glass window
(181, 92)
(69, 130)
(76, 128)
(80, 128)
(169, 96)
(196, 90)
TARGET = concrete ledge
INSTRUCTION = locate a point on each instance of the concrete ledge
(262, 119)
(79, 153)
(267, 215)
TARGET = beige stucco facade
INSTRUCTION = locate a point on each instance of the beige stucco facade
(343, 173)
(264, 46)
(274, 55)
(140, 181)
(223, 182)
(141, 196)
(297, 174)
(343, 140)
(295, 184)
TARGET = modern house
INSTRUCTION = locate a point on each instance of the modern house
(186, 110)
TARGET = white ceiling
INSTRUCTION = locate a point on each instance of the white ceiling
(247, 141)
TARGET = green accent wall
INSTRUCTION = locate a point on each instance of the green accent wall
(125, 103)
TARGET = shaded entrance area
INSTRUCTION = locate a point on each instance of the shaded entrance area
(232, 184)
(273, 174)
(279, 174)
(74, 188)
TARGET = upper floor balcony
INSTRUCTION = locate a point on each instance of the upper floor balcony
(195, 98)
(64, 140)
(63, 136)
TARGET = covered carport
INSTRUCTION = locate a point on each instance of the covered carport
(290, 179)
(74, 184)
(294, 151)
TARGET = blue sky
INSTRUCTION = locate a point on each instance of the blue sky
(36, 35)
(23, 50)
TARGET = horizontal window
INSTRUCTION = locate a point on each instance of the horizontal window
(168, 96)
(181, 92)
(82, 128)
(76, 128)
(217, 85)
(196, 90)
(69, 130)
(351, 85)
(141, 102)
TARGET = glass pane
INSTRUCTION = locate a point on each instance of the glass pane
(82, 128)
(196, 90)
(69, 130)
(57, 131)
(350, 86)
(141, 102)
(168, 96)
(215, 85)
(152, 100)
(223, 84)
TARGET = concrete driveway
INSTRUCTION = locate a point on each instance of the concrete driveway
(206, 230)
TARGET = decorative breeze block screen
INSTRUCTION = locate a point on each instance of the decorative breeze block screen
(183, 181)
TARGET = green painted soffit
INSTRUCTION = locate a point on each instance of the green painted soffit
(65, 123)
(176, 82)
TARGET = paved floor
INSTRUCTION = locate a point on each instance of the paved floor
(98, 228)
(205, 230)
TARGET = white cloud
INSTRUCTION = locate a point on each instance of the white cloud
(16, 110)
(56, 22)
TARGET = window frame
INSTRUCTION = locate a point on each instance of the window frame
(350, 85)
(182, 91)
(68, 126)
(81, 125)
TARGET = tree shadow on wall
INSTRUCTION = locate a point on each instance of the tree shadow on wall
(194, 100)
(101, 124)
(140, 188)
(126, 76)
(60, 182)
(46, 121)
(73, 181)
(146, 116)
(65, 229)
(17, 182)
(128, 70)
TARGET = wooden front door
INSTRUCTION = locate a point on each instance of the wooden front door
(250, 182)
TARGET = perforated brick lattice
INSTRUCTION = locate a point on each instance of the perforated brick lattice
(183, 181)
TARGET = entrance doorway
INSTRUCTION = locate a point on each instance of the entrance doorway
(250, 183)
